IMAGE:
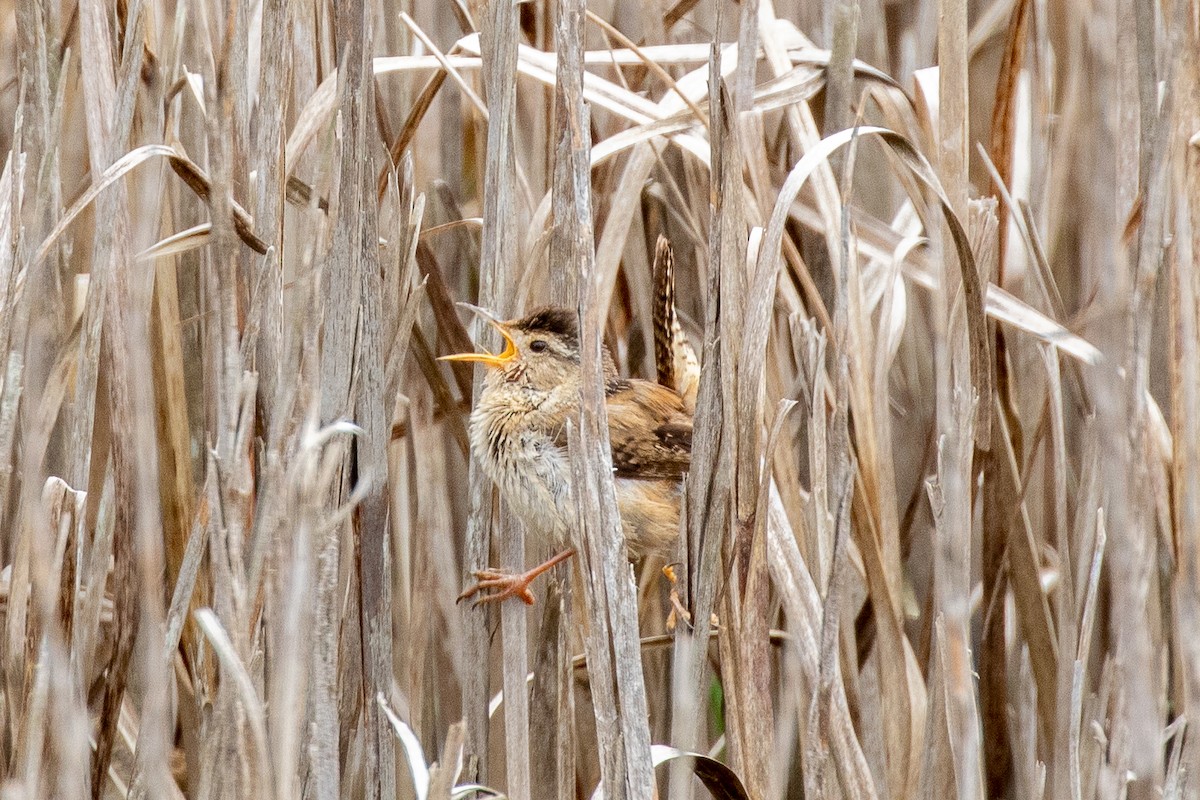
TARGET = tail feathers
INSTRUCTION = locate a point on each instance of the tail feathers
(674, 357)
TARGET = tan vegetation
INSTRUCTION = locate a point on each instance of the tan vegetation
(938, 259)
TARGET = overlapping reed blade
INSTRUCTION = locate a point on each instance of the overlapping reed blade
(553, 695)
(498, 48)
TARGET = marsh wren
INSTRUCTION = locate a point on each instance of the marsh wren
(518, 433)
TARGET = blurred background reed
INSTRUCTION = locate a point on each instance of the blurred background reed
(939, 260)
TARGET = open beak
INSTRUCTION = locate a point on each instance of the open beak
(489, 359)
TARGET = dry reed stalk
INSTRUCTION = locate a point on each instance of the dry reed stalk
(498, 46)
(553, 701)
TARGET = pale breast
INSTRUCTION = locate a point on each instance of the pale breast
(531, 471)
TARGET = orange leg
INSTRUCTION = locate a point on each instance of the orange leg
(507, 584)
(677, 610)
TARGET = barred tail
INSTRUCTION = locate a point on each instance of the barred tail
(674, 359)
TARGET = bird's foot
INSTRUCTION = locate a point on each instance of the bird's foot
(678, 612)
(494, 585)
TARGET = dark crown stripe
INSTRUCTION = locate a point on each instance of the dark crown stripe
(552, 320)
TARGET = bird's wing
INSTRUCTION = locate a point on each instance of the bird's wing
(650, 431)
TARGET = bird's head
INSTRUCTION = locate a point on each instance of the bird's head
(541, 350)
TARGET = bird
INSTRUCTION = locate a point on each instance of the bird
(531, 391)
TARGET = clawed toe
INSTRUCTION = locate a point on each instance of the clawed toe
(507, 584)
(493, 585)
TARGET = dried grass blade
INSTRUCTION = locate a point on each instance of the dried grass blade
(398, 147)
(189, 568)
(1032, 607)
(705, 518)
(918, 167)
(649, 63)
(454, 74)
(1004, 116)
(802, 604)
(451, 331)
(240, 678)
(417, 768)
(358, 221)
(1087, 623)
(722, 782)
(108, 177)
(177, 244)
(877, 241)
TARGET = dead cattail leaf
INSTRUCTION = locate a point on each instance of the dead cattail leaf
(178, 243)
(192, 175)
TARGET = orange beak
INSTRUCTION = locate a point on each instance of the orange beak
(488, 359)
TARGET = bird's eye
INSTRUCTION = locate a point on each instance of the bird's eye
(538, 346)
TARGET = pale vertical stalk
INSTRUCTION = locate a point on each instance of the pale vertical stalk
(1135, 589)
(325, 776)
(839, 83)
(1185, 373)
(498, 45)
(953, 146)
(709, 483)
(554, 723)
(341, 279)
(371, 410)
(513, 624)
(613, 650)
(275, 76)
(125, 315)
(955, 413)
(745, 319)
(151, 771)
